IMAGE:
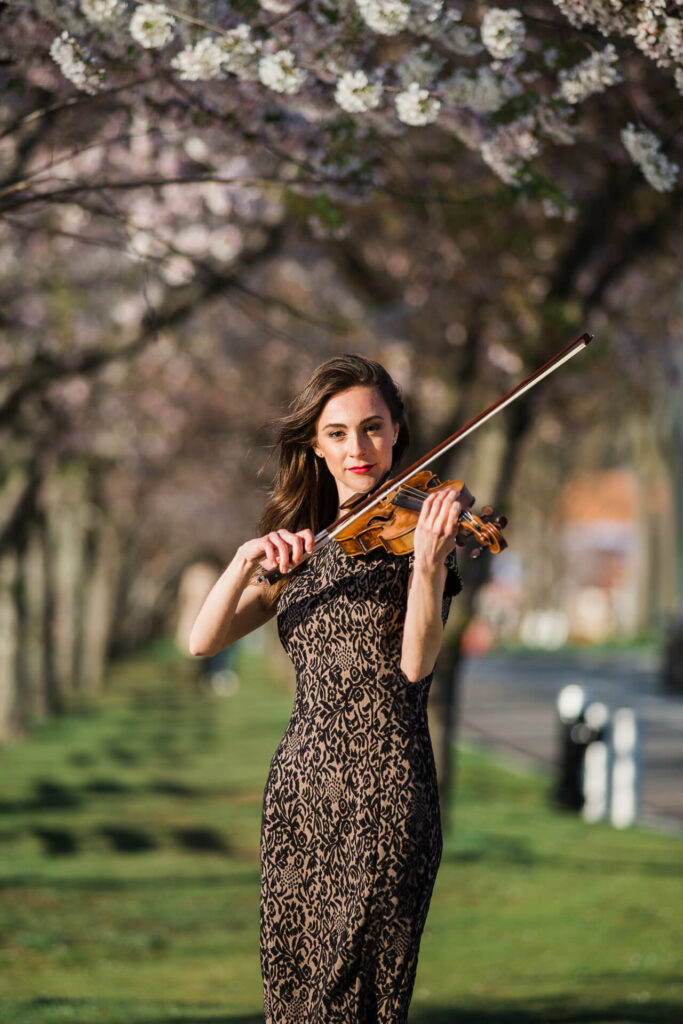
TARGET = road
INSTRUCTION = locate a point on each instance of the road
(508, 705)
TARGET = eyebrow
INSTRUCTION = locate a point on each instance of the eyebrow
(377, 416)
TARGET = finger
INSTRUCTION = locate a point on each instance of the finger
(282, 550)
(309, 539)
(430, 508)
(269, 560)
(449, 495)
(453, 524)
(448, 514)
(295, 543)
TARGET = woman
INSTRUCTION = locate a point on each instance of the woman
(351, 834)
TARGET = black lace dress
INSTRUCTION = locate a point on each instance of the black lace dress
(351, 832)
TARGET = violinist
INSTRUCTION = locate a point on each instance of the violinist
(351, 833)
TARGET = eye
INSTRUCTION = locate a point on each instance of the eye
(334, 434)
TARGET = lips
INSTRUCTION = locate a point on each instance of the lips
(360, 469)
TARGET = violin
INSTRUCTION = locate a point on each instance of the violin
(388, 516)
(391, 523)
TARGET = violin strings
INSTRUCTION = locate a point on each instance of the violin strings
(414, 492)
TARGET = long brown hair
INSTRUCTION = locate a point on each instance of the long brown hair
(304, 492)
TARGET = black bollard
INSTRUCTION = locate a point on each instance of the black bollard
(574, 736)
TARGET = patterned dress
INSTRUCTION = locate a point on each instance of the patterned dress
(351, 832)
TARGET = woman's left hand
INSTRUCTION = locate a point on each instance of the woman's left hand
(436, 528)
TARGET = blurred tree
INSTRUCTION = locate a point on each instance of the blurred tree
(180, 252)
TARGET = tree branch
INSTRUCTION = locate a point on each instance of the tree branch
(181, 303)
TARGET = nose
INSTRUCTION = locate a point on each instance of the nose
(356, 443)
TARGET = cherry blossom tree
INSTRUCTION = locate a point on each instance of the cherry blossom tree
(477, 182)
(507, 82)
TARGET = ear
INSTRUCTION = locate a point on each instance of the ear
(396, 432)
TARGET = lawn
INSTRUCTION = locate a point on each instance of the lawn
(129, 872)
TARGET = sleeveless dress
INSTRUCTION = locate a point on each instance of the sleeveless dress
(351, 831)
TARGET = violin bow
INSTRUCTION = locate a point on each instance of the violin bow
(322, 538)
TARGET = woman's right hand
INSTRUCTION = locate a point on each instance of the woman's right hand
(233, 606)
(280, 549)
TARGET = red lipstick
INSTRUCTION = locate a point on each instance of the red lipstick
(360, 469)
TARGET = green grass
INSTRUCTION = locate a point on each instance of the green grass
(129, 874)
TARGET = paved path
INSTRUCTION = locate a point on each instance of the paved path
(509, 701)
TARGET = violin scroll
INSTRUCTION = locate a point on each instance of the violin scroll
(486, 529)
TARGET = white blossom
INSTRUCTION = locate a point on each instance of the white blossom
(552, 209)
(152, 26)
(424, 15)
(416, 107)
(200, 62)
(673, 35)
(387, 17)
(649, 34)
(464, 41)
(554, 122)
(608, 15)
(482, 90)
(98, 11)
(644, 148)
(277, 6)
(240, 52)
(502, 32)
(177, 269)
(420, 65)
(226, 243)
(279, 72)
(75, 64)
(355, 93)
(510, 148)
(594, 74)
(444, 27)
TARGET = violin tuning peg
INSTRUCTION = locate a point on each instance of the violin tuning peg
(487, 511)
(501, 522)
(475, 552)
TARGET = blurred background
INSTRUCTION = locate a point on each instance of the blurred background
(178, 254)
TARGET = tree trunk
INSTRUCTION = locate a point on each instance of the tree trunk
(54, 700)
(8, 646)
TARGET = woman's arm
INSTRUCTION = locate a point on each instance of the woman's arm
(234, 606)
(434, 540)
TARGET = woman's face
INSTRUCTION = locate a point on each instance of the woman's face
(355, 435)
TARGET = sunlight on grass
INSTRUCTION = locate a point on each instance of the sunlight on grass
(129, 839)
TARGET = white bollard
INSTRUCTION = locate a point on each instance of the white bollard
(626, 768)
(596, 765)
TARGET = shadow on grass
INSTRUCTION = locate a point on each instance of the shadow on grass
(51, 795)
(122, 753)
(549, 1011)
(247, 878)
(107, 787)
(48, 795)
(48, 1008)
(199, 839)
(125, 839)
(56, 842)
